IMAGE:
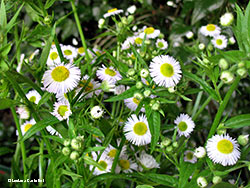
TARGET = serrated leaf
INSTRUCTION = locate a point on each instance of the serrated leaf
(39, 126)
(238, 121)
(126, 94)
(7, 103)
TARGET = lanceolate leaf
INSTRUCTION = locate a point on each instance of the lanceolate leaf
(127, 94)
(238, 121)
(155, 128)
(7, 103)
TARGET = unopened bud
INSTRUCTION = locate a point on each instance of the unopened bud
(66, 151)
(130, 19)
(76, 144)
(138, 96)
(200, 152)
(242, 72)
(189, 34)
(166, 142)
(131, 72)
(201, 181)
(67, 142)
(74, 155)
(48, 20)
(124, 20)
(144, 73)
(243, 140)
(139, 85)
(147, 93)
(241, 64)
(223, 64)
(201, 46)
(227, 77)
(216, 179)
(169, 149)
(175, 144)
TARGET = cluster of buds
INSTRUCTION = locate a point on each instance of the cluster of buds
(73, 148)
(169, 145)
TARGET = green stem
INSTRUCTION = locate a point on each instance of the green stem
(79, 27)
(197, 102)
(25, 172)
(41, 165)
(222, 107)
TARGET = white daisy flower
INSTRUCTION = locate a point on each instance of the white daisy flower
(112, 12)
(24, 112)
(189, 34)
(119, 89)
(61, 78)
(150, 32)
(110, 152)
(138, 40)
(131, 9)
(189, 156)
(52, 131)
(185, 125)
(210, 30)
(92, 85)
(96, 112)
(226, 19)
(33, 96)
(62, 98)
(53, 58)
(161, 44)
(26, 126)
(61, 110)
(223, 149)
(126, 44)
(219, 41)
(104, 162)
(81, 51)
(126, 165)
(165, 71)
(109, 74)
(137, 131)
(132, 103)
(147, 161)
(69, 52)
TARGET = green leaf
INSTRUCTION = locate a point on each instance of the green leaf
(92, 130)
(39, 126)
(144, 186)
(49, 3)
(238, 121)
(161, 179)
(201, 9)
(207, 88)
(186, 171)
(123, 68)
(55, 138)
(7, 103)
(12, 22)
(88, 160)
(5, 150)
(46, 96)
(69, 173)
(155, 128)
(224, 185)
(127, 94)
(4, 50)
(90, 149)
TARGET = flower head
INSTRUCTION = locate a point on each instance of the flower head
(161, 44)
(185, 125)
(33, 96)
(219, 41)
(26, 126)
(96, 112)
(210, 30)
(147, 161)
(61, 110)
(112, 12)
(189, 156)
(109, 74)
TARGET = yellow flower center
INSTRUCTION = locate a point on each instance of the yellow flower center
(89, 87)
(225, 146)
(27, 127)
(112, 10)
(62, 110)
(167, 70)
(138, 40)
(140, 128)
(136, 101)
(110, 72)
(60, 73)
(112, 153)
(211, 27)
(103, 164)
(32, 99)
(124, 164)
(182, 126)
(81, 50)
(149, 30)
(189, 155)
(67, 52)
(160, 44)
(219, 42)
(53, 55)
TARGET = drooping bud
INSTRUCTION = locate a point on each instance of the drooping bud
(243, 140)
(223, 64)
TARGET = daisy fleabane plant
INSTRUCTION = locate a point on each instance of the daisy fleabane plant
(165, 71)
(184, 124)
(223, 149)
(137, 131)
(61, 78)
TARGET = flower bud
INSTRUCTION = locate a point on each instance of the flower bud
(216, 179)
(47, 20)
(169, 149)
(166, 142)
(226, 19)
(66, 151)
(124, 20)
(156, 105)
(201, 181)
(243, 140)
(80, 138)
(175, 144)
(119, 25)
(201, 46)
(231, 40)
(107, 86)
(101, 23)
(144, 73)
(242, 72)
(130, 19)
(138, 96)
(171, 89)
(200, 152)
(227, 77)
(76, 144)
(67, 142)
(189, 34)
(139, 85)
(147, 93)
(74, 155)
(147, 41)
(210, 47)
(223, 64)
(131, 72)
(161, 36)
(241, 64)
